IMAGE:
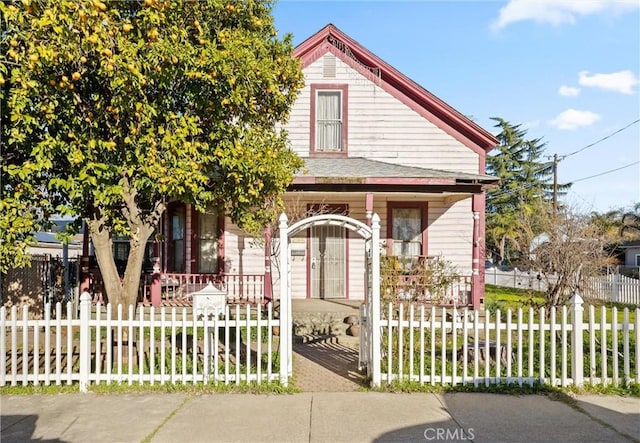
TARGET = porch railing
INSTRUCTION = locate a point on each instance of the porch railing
(414, 289)
(245, 288)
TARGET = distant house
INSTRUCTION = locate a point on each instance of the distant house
(631, 253)
(46, 243)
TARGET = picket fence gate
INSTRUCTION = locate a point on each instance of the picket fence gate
(156, 346)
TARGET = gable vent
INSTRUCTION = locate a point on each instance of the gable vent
(329, 66)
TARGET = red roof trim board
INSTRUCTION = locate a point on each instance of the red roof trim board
(400, 86)
(374, 181)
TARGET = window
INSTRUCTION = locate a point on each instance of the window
(638, 260)
(208, 242)
(407, 231)
(329, 119)
(177, 239)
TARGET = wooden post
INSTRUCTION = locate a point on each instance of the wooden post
(374, 321)
(285, 321)
(156, 283)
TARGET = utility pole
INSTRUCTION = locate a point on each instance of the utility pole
(555, 184)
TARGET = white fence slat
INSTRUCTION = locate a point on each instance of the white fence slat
(422, 348)
(519, 344)
(454, 342)
(47, 345)
(432, 367)
(592, 345)
(603, 344)
(636, 327)
(487, 349)
(237, 355)
(14, 345)
(476, 349)
(400, 341)
(625, 347)
(531, 343)
(465, 346)
(152, 345)
(541, 350)
(552, 347)
(3, 345)
(443, 345)
(614, 345)
(25, 345)
(509, 347)
(58, 340)
(564, 346)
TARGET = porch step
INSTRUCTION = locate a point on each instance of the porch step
(324, 321)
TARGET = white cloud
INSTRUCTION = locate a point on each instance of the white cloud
(558, 12)
(572, 119)
(568, 91)
(622, 81)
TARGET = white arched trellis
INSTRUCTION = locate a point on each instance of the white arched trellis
(371, 330)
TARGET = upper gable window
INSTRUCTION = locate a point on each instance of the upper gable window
(329, 119)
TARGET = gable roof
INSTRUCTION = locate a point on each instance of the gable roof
(331, 39)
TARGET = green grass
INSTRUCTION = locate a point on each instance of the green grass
(273, 387)
(503, 298)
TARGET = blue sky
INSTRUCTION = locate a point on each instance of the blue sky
(568, 71)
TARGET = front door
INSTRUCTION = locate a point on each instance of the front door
(327, 262)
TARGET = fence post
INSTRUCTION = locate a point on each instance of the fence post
(85, 340)
(577, 350)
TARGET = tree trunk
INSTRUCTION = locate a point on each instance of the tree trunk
(102, 242)
(120, 292)
(133, 272)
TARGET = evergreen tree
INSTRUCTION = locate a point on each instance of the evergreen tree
(526, 186)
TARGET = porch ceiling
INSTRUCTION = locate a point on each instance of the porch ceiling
(364, 175)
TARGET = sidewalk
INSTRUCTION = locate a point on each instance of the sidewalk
(317, 417)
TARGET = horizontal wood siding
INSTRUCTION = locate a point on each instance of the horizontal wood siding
(451, 233)
(251, 260)
(380, 126)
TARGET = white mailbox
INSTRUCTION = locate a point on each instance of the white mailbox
(210, 298)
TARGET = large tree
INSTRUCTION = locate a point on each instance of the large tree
(526, 186)
(111, 109)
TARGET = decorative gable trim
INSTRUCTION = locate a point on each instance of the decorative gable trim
(331, 39)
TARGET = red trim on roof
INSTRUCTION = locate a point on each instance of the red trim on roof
(400, 86)
(309, 180)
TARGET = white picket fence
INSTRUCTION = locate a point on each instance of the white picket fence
(453, 347)
(616, 288)
(148, 346)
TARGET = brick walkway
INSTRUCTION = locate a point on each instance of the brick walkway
(326, 366)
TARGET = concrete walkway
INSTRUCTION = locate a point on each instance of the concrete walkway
(317, 417)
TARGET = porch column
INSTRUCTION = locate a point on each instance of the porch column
(267, 267)
(477, 289)
(368, 205)
(187, 239)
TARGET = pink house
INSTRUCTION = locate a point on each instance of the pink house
(373, 141)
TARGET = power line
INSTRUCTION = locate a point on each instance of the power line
(606, 172)
(601, 140)
(556, 159)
